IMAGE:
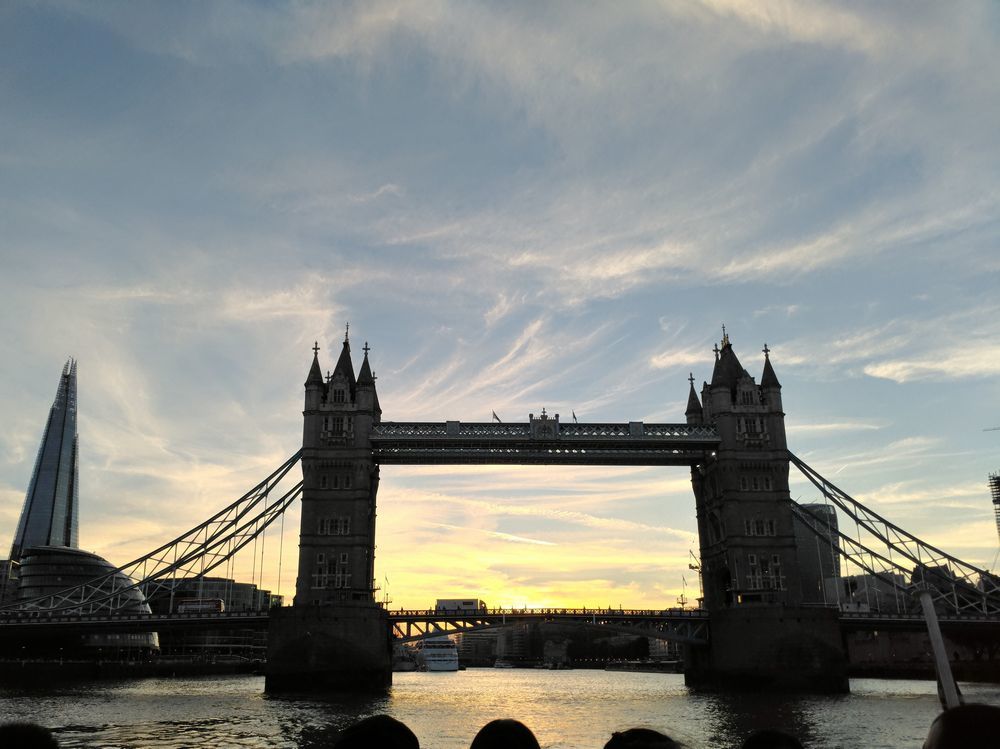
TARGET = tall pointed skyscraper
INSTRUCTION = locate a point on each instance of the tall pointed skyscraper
(49, 516)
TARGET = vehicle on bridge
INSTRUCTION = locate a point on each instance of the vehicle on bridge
(201, 606)
(459, 604)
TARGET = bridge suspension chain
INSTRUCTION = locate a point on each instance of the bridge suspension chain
(956, 586)
(192, 554)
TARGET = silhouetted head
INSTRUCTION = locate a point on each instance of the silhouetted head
(27, 736)
(770, 738)
(377, 732)
(964, 727)
(505, 734)
(641, 738)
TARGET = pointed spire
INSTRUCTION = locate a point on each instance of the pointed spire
(365, 378)
(694, 405)
(315, 373)
(344, 365)
(727, 367)
(768, 379)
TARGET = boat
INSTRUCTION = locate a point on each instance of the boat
(437, 654)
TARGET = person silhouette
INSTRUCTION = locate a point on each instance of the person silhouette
(965, 727)
(379, 731)
(27, 736)
(505, 734)
(770, 738)
(641, 738)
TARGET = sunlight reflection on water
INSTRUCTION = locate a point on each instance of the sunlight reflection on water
(565, 709)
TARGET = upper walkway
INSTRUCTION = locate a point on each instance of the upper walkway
(541, 440)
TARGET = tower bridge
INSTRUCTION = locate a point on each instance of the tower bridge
(757, 626)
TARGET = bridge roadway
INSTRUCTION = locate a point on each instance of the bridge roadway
(407, 625)
(683, 625)
(540, 441)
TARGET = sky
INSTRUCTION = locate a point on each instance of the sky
(517, 205)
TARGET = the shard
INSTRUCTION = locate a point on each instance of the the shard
(49, 516)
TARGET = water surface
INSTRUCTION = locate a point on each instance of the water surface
(565, 709)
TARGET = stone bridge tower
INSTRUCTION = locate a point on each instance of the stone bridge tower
(340, 483)
(334, 636)
(761, 633)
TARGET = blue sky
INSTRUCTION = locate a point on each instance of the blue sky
(517, 205)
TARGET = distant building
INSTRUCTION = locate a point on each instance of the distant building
(48, 570)
(477, 648)
(45, 557)
(664, 650)
(818, 554)
(50, 513)
(868, 593)
(236, 596)
(514, 643)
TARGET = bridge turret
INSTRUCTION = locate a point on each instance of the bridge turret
(769, 385)
(367, 397)
(315, 396)
(694, 412)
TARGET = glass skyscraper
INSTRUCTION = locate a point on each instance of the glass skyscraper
(50, 513)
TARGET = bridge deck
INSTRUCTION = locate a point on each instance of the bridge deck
(687, 625)
(541, 442)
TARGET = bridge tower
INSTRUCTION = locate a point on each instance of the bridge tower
(334, 636)
(340, 482)
(761, 633)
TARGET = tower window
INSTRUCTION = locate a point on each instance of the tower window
(338, 395)
(323, 481)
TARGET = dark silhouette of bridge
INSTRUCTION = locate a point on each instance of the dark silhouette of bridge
(754, 624)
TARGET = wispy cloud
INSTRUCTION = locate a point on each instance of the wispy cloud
(495, 534)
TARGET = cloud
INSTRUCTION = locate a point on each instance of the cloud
(831, 427)
(948, 364)
(496, 534)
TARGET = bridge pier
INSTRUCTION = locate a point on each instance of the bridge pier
(770, 648)
(328, 649)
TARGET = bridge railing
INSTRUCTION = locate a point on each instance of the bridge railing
(627, 431)
(682, 625)
(540, 612)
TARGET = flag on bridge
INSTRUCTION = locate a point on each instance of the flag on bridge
(497, 418)
(574, 416)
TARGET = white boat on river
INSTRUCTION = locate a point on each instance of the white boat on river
(437, 654)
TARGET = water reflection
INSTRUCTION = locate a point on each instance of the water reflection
(565, 710)
(313, 723)
(733, 716)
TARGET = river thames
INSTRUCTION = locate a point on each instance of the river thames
(565, 709)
